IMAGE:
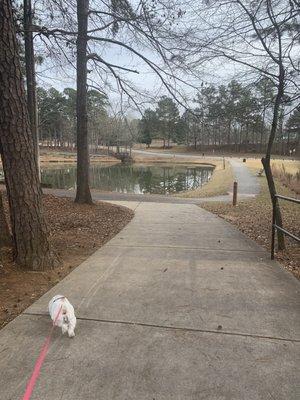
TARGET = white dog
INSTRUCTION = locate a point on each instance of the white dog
(62, 314)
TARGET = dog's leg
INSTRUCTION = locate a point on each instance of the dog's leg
(71, 332)
(71, 327)
(64, 328)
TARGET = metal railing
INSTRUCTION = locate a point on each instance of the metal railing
(275, 226)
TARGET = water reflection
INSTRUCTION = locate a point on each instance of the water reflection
(134, 178)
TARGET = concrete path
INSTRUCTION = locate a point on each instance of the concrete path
(248, 184)
(178, 306)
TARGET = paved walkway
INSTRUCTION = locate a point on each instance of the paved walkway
(178, 306)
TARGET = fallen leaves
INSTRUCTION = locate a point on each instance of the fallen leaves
(253, 218)
(76, 231)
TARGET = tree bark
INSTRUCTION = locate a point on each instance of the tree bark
(266, 161)
(30, 78)
(229, 133)
(5, 238)
(246, 137)
(83, 194)
(263, 117)
(31, 244)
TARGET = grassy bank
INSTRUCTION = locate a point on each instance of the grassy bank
(253, 217)
(155, 158)
(219, 184)
(287, 172)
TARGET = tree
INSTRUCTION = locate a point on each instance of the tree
(168, 116)
(5, 238)
(192, 123)
(210, 105)
(246, 112)
(30, 77)
(96, 109)
(83, 193)
(265, 88)
(293, 129)
(293, 123)
(54, 115)
(180, 131)
(148, 126)
(262, 37)
(116, 24)
(32, 248)
(145, 136)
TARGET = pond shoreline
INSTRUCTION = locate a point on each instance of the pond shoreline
(138, 178)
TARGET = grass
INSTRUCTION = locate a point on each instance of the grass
(157, 147)
(287, 172)
(291, 166)
(253, 217)
(219, 184)
(150, 159)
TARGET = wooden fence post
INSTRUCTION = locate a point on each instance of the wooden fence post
(234, 199)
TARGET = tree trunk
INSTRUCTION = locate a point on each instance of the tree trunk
(266, 161)
(30, 78)
(229, 133)
(246, 138)
(262, 129)
(30, 235)
(263, 117)
(5, 238)
(280, 130)
(83, 194)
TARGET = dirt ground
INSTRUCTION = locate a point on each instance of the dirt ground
(76, 232)
(253, 217)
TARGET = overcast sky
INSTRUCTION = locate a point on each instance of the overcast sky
(147, 81)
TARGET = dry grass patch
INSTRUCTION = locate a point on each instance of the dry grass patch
(291, 166)
(153, 158)
(286, 171)
(219, 184)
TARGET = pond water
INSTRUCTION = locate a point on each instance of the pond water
(132, 178)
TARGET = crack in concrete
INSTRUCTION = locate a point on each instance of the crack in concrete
(184, 247)
(177, 328)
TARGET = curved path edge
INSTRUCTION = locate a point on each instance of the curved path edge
(178, 305)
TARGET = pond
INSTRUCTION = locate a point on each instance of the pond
(132, 178)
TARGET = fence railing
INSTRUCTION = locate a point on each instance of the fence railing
(279, 228)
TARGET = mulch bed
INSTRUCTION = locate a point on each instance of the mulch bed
(76, 231)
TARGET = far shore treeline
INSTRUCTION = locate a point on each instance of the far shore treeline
(227, 118)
